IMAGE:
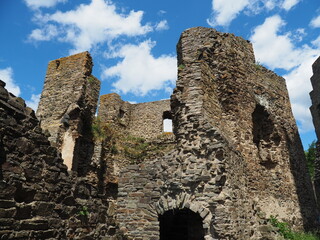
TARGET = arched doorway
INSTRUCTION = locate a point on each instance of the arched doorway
(181, 224)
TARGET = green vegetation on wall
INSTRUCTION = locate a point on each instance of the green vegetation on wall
(286, 232)
(135, 149)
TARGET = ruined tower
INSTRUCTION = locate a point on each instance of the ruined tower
(67, 105)
(234, 159)
(238, 158)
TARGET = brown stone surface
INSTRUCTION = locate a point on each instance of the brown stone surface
(141, 120)
(238, 157)
(39, 198)
(234, 160)
(67, 105)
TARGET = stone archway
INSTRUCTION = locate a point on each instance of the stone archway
(181, 224)
(186, 214)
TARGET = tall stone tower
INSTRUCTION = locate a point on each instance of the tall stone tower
(238, 158)
(67, 105)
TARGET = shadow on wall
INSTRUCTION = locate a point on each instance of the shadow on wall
(303, 183)
(3, 157)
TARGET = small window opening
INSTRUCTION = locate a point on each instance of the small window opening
(262, 126)
(181, 224)
(265, 136)
(167, 121)
(121, 113)
(57, 64)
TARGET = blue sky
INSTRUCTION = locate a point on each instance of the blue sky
(133, 42)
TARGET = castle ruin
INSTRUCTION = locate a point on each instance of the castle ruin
(234, 158)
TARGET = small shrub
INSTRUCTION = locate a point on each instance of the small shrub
(101, 131)
(287, 233)
(258, 65)
(181, 67)
(83, 215)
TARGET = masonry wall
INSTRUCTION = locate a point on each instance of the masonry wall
(238, 157)
(315, 112)
(39, 198)
(143, 120)
(67, 105)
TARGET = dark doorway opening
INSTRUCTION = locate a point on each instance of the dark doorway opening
(181, 224)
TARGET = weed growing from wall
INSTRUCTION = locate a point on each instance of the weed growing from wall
(286, 232)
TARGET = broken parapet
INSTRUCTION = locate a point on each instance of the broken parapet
(143, 120)
(315, 112)
(67, 105)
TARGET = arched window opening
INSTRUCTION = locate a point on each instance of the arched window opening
(181, 224)
(121, 113)
(262, 125)
(265, 136)
(167, 121)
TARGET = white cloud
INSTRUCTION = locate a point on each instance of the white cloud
(6, 75)
(90, 25)
(288, 4)
(140, 72)
(273, 49)
(225, 11)
(34, 101)
(277, 50)
(163, 25)
(299, 86)
(35, 4)
(270, 4)
(45, 34)
(316, 42)
(315, 22)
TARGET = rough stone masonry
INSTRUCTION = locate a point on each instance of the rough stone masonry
(238, 156)
(67, 105)
(235, 157)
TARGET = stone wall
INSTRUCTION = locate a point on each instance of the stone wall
(39, 198)
(143, 120)
(139, 122)
(238, 157)
(67, 104)
(235, 158)
(315, 112)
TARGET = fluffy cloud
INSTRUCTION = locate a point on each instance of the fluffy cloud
(276, 50)
(163, 25)
(140, 72)
(34, 101)
(90, 25)
(299, 86)
(266, 38)
(35, 4)
(45, 34)
(288, 4)
(315, 22)
(6, 75)
(224, 11)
